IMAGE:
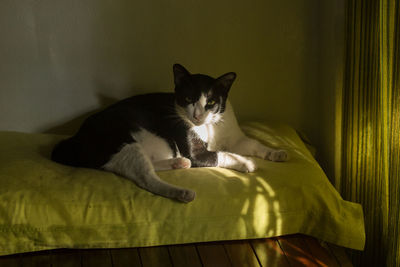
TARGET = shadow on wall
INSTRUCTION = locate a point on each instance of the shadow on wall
(71, 126)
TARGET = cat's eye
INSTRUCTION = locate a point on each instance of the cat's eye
(210, 102)
(188, 99)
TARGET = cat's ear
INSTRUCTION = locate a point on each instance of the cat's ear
(180, 74)
(225, 81)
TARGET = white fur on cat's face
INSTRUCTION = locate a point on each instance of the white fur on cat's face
(197, 114)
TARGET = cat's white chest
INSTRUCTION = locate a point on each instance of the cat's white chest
(203, 132)
(222, 135)
(207, 134)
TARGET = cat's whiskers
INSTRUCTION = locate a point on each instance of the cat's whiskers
(217, 119)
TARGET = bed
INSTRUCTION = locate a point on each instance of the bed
(45, 205)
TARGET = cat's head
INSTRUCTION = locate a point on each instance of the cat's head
(200, 98)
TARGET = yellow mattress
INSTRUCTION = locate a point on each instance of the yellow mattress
(45, 205)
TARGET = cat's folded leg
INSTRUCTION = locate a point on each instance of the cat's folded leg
(235, 162)
(174, 163)
(250, 147)
(132, 163)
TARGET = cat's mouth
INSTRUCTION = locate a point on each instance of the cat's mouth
(197, 122)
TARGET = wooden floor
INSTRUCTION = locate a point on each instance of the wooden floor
(294, 250)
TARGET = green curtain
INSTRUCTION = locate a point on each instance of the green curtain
(371, 126)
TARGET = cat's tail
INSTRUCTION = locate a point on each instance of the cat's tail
(65, 152)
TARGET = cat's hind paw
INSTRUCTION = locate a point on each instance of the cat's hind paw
(186, 196)
(277, 155)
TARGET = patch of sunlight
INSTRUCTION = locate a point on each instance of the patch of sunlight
(262, 203)
(276, 208)
(267, 208)
(271, 232)
(261, 223)
(278, 228)
(246, 206)
(266, 186)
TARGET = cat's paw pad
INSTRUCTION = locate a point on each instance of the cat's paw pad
(277, 155)
(186, 196)
(181, 163)
(247, 165)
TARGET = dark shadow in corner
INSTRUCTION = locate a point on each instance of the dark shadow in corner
(71, 126)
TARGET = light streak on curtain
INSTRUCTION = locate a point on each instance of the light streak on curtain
(371, 126)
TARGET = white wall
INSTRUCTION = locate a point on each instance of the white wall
(57, 57)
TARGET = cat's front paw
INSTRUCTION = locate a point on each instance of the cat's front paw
(246, 165)
(235, 162)
(181, 163)
(277, 155)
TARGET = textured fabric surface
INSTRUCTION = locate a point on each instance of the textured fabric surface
(371, 126)
(45, 205)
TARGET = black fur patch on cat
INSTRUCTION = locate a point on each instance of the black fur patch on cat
(104, 133)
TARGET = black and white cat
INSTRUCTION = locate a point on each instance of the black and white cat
(193, 127)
